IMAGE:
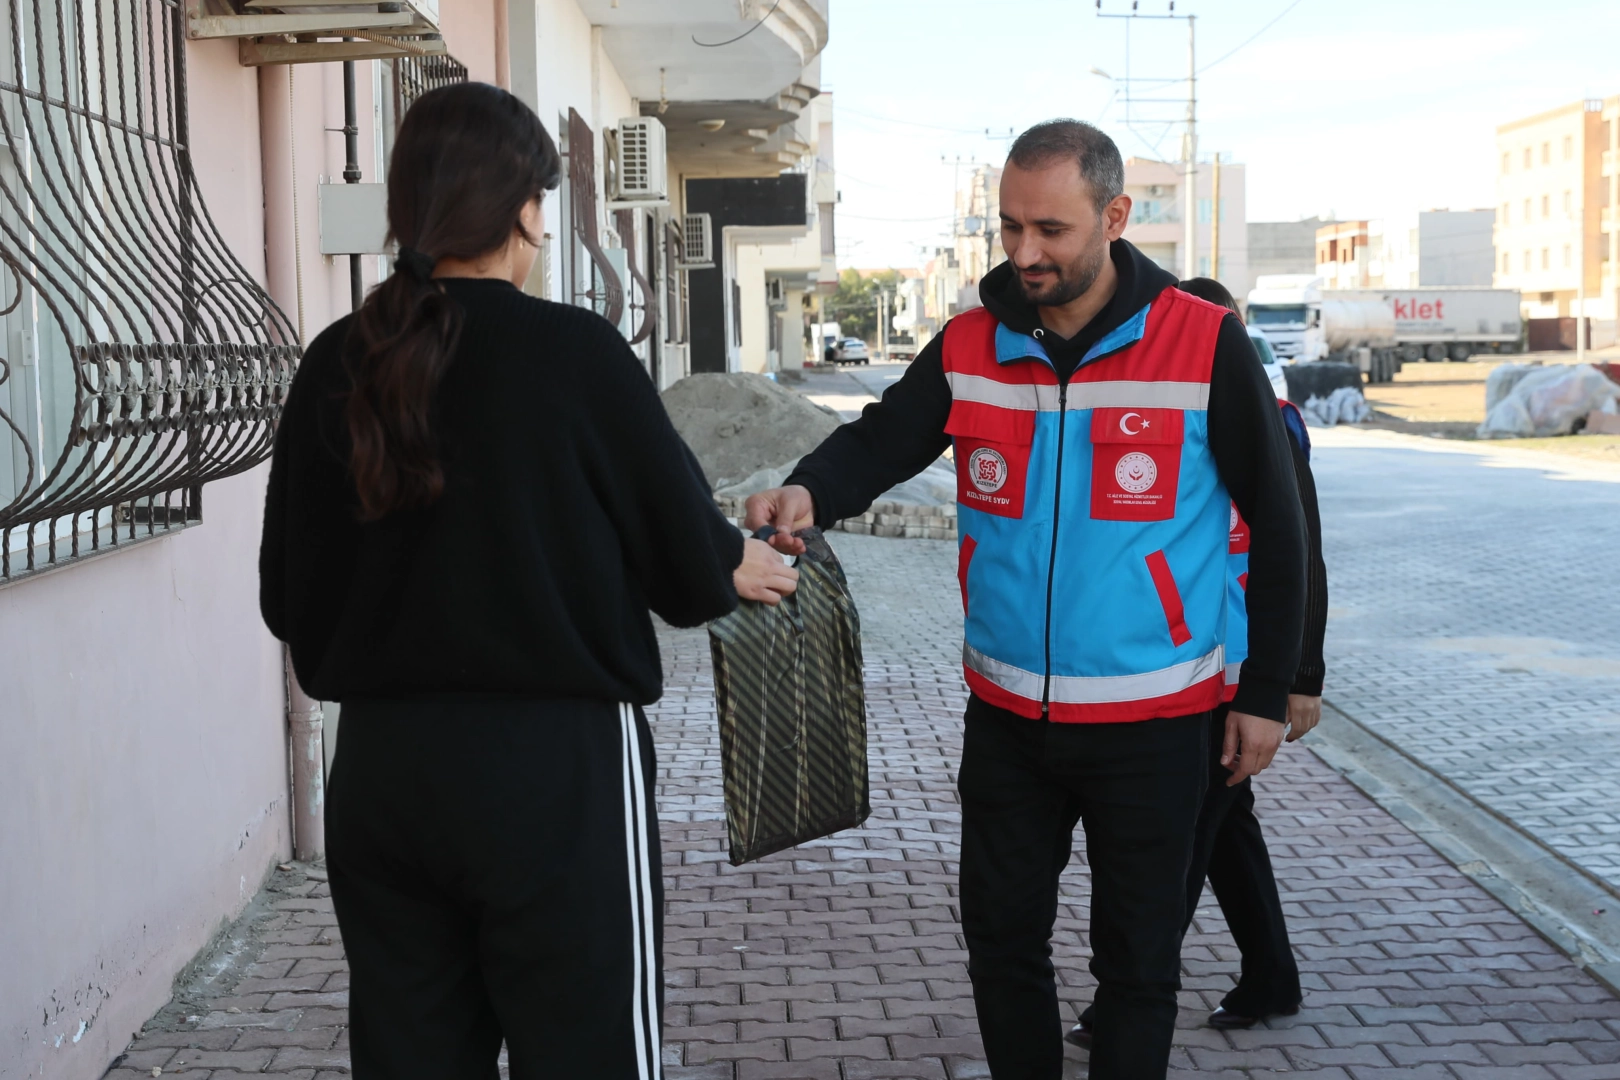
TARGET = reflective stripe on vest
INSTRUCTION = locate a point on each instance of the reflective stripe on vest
(1093, 522)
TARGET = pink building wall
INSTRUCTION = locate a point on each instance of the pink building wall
(142, 702)
(143, 705)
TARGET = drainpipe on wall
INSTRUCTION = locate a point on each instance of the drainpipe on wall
(351, 171)
(306, 752)
(304, 720)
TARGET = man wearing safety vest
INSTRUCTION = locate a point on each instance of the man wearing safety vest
(1103, 424)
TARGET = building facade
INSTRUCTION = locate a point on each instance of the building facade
(156, 300)
(1283, 247)
(1558, 190)
(1157, 225)
(1432, 247)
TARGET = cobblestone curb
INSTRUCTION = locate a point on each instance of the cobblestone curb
(891, 519)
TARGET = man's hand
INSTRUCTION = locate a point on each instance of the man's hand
(1304, 713)
(1251, 742)
(788, 508)
(763, 576)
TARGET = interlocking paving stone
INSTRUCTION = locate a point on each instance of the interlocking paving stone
(843, 958)
(1468, 629)
(1410, 970)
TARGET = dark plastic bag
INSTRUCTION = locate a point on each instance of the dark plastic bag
(788, 684)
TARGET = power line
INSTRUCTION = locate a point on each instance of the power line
(1251, 39)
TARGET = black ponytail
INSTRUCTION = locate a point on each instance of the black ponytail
(468, 159)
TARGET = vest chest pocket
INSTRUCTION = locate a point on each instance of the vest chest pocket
(991, 448)
(1135, 463)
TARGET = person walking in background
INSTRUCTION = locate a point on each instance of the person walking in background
(475, 497)
(1104, 424)
(1229, 848)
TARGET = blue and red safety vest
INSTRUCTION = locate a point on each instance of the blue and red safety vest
(1237, 566)
(1094, 527)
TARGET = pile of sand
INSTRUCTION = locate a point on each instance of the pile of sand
(741, 424)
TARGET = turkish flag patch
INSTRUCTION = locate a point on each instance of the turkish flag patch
(1135, 463)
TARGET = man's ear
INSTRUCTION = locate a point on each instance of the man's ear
(1116, 215)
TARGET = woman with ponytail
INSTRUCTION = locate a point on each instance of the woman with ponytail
(475, 500)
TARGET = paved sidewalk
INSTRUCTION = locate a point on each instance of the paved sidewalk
(1474, 624)
(843, 959)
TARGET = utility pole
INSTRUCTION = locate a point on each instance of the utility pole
(1191, 155)
(1189, 144)
(1215, 217)
(883, 323)
(1580, 265)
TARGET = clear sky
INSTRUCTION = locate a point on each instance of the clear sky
(1361, 108)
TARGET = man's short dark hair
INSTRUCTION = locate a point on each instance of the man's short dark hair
(1086, 145)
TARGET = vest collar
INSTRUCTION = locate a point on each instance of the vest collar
(1012, 345)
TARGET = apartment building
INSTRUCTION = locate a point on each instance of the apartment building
(1157, 220)
(177, 227)
(1430, 247)
(1558, 190)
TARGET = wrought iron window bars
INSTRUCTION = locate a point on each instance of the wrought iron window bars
(596, 284)
(416, 75)
(139, 360)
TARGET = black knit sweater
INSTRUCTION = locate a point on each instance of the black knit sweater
(570, 508)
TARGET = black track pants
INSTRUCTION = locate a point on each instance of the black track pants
(495, 871)
(1230, 850)
(1024, 784)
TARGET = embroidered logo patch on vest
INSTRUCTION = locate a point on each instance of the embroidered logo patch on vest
(1136, 473)
(1136, 463)
(987, 469)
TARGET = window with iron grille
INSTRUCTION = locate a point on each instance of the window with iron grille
(592, 281)
(416, 75)
(138, 358)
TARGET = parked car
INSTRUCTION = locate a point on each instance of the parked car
(852, 350)
(1274, 371)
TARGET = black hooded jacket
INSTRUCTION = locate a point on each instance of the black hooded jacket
(899, 436)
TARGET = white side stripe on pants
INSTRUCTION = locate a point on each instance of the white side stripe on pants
(644, 992)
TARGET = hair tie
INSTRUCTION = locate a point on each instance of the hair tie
(414, 263)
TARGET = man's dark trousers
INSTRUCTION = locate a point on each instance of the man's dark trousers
(1231, 850)
(1024, 785)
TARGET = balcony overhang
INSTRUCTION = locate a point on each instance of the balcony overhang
(744, 62)
(749, 143)
(764, 50)
(317, 31)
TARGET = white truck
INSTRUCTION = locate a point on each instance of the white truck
(1380, 329)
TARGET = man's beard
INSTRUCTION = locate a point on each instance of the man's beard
(1072, 281)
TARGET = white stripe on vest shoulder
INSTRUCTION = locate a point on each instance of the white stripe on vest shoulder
(1116, 394)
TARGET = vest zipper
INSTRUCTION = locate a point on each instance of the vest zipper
(1051, 566)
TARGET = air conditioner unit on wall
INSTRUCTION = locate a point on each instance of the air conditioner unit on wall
(697, 242)
(640, 168)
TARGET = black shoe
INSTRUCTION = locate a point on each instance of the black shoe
(1227, 1021)
(1079, 1035)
